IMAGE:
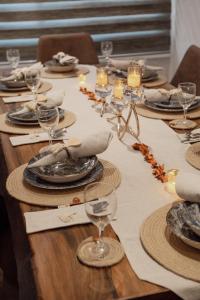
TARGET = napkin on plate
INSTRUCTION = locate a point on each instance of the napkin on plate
(160, 95)
(91, 145)
(187, 186)
(19, 73)
(55, 218)
(123, 64)
(64, 59)
(35, 138)
(187, 138)
(52, 99)
(23, 98)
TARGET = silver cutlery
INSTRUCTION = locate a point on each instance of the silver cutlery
(59, 132)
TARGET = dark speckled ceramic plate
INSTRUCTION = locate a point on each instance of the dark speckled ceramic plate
(178, 225)
(67, 171)
(28, 118)
(36, 181)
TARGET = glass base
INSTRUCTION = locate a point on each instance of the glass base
(97, 249)
(183, 124)
(92, 255)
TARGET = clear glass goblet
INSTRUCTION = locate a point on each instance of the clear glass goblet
(48, 118)
(106, 50)
(100, 206)
(13, 57)
(186, 96)
(32, 78)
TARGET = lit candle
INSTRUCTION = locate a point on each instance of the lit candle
(170, 185)
(118, 89)
(134, 76)
(82, 79)
(102, 77)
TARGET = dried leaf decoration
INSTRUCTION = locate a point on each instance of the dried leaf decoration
(91, 95)
(158, 170)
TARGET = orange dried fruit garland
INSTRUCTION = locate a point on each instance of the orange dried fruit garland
(158, 170)
(91, 95)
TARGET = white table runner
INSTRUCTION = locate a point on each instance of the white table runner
(139, 193)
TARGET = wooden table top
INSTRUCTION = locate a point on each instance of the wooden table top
(47, 264)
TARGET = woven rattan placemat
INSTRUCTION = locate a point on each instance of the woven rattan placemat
(153, 114)
(115, 255)
(6, 126)
(75, 73)
(167, 249)
(45, 87)
(192, 155)
(155, 83)
(21, 190)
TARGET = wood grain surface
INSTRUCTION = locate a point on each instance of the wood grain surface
(48, 268)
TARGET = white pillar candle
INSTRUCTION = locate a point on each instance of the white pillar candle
(118, 89)
(170, 185)
(102, 77)
(82, 80)
(134, 76)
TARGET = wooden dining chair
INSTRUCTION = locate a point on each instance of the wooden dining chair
(79, 45)
(189, 68)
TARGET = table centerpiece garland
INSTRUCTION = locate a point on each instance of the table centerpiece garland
(158, 170)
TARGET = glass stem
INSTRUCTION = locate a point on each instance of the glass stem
(185, 113)
(100, 232)
(100, 243)
(34, 96)
(50, 137)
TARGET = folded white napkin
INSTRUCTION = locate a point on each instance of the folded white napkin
(35, 138)
(188, 187)
(55, 218)
(123, 64)
(91, 145)
(23, 98)
(193, 136)
(52, 99)
(64, 59)
(19, 73)
(158, 95)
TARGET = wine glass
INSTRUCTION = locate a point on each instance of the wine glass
(100, 206)
(106, 50)
(186, 96)
(32, 78)
(48, 118)
(13, 57)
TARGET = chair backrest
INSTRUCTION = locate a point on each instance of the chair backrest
(79, 45)
(189, 68)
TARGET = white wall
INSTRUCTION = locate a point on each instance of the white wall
(185, 30)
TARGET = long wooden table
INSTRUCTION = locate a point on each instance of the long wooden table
(46, 262)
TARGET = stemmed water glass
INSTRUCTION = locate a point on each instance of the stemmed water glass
(100, 211)
(32, 78)
(186, 96)
(13, 57)
(106, 50)
(48, 118)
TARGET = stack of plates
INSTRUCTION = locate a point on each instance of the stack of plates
(13, 86)
(56, 67)
(183, 220)
(64, 175)
(170, 106)
(27, 118)
(149, 75)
